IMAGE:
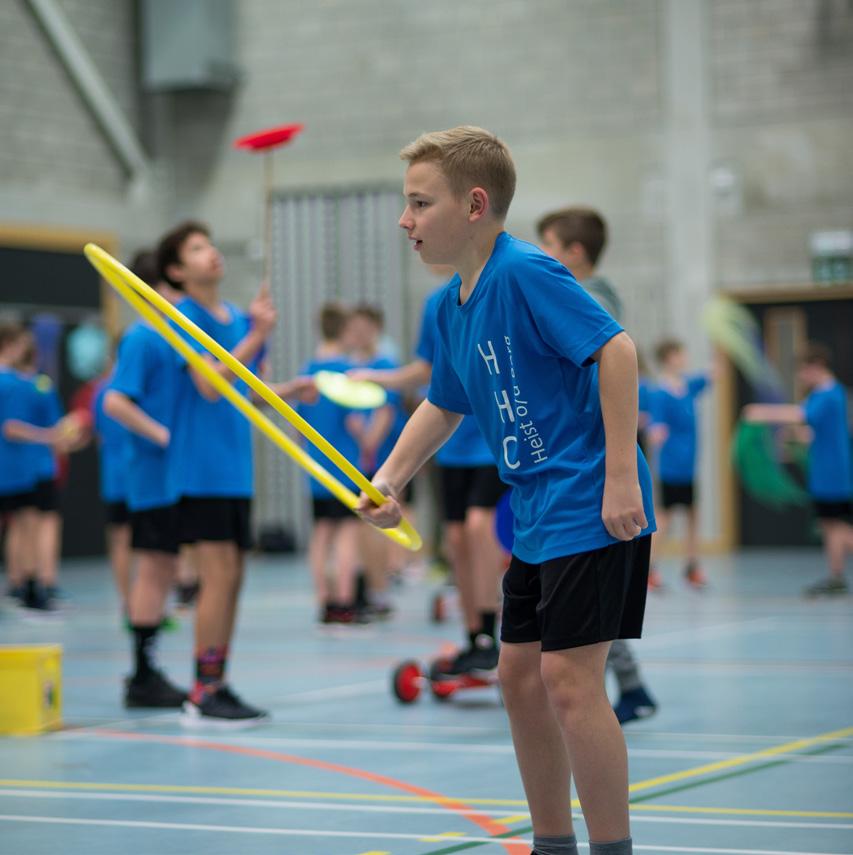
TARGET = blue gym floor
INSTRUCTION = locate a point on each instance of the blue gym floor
(750, 752)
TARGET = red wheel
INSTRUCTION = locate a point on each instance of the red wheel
(439, 609)
(406, 682)
(442, 691)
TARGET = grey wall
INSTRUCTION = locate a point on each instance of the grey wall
(714, 134)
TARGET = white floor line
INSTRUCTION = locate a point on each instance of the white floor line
(365, 835)
(705, 633)
(344, 807)
(504, 749)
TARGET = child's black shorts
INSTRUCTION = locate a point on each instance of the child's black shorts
(842, 510)
(13, 502)
(330, 509)
(117, 513)
(578, 599)
(215, 519)
(672, 495)
(46, 496)
(464, 487)
(156, 529)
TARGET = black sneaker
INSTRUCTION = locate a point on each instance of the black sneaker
(152, 690)
(831, 587)
(35, 598)
(483, 657)
(222, 709)
(635, 704)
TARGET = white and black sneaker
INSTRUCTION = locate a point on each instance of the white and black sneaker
(221, 709)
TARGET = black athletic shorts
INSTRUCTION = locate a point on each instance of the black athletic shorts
(579, 599)
(16, 502)
(464, 487)
(45, 497)
(155, 530)
(672, 495)
(215, 519)
(117, 513)
(330, 509)
(842, 511)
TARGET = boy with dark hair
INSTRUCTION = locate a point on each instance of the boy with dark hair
(824, 410)
(211, 468)
(576, 237)
(552, 381)
(675, 429)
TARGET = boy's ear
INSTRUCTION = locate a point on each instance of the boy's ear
(175, 272)
(479, 202)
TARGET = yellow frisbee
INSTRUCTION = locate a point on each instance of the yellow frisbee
(355, 394)
(145, 301)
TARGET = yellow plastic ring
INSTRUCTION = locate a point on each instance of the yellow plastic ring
(144, 299)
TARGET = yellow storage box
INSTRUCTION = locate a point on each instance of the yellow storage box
(30, 688)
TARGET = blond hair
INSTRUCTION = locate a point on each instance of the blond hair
(469, 157)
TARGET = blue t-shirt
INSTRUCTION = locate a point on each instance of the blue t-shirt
(395, 401)
(17, 400)
(147, 372)
(44, 411)
(677, 460)
(518, 354)
(113, 449)
(212, 441)
(466, 447)
(329, 419)
(829, 453)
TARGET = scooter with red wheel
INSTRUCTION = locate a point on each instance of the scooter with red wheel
(410, 679)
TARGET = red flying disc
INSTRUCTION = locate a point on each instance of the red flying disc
(270, 138)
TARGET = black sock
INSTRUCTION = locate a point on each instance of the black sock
(143, 647)
(488, 621)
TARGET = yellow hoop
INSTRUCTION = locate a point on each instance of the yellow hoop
(143, 297)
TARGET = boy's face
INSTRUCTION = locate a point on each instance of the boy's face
(676, 361)
(436, 220)
(362, 333)
(569, 256)
(13, 350)
(201, 262)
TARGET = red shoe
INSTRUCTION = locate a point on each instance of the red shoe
(695, 576)
(655, 579)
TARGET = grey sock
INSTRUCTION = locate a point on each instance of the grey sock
(566, 845)
(614, 847)
(621, 660)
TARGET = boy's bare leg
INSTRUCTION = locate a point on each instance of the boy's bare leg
(691, 540)
(21, 545)
(346, 559)
(48, 544)
(837, 537)
(318, 551)
(373, 548)
(459, 552)
(488, 561)
(221, 575)
(187, 572)
(540, 749)
(154, 579)
(118, 546)
(663, 519)
(574, 681)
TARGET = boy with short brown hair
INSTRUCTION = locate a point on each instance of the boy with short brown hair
(552, 381)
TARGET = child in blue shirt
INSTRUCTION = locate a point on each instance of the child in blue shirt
(334, 535)
(830, 482)
(675, 430)
(552, 381)
(211, 462)
(577, 237)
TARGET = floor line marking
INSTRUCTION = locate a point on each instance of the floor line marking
(452, 805)
(375, 797)
(388, 809)
(311, 832)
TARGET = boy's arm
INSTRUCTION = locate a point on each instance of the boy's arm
(774, 414)
(118, 406)
(263, 313)
(304, 389)
(19, 431)
(410, 376)
(622, 508)
(425, 432)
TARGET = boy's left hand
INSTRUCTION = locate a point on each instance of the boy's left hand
(622, 509)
